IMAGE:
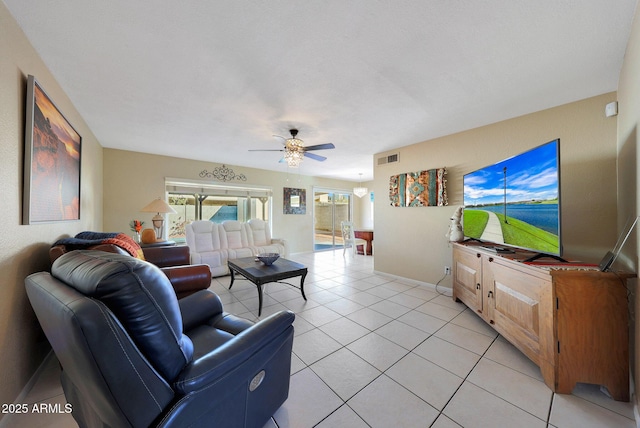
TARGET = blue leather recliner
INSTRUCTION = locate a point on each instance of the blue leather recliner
(132, 355)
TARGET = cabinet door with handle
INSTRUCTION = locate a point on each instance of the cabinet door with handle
(467, 277)
(513, 305)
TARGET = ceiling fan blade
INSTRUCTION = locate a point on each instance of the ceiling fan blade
(266, 150)
(320, 147)
(314, 156)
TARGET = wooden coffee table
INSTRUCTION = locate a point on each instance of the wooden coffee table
(257, 272)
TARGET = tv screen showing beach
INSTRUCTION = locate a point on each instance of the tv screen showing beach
(516, 202)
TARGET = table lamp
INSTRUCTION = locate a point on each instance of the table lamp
(159, 207)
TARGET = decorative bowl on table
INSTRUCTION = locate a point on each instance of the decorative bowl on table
(268, 258)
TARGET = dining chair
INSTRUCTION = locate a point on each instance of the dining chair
(349, 238)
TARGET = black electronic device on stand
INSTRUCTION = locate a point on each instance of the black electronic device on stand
(612, 255)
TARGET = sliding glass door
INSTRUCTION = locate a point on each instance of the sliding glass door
(330, 208)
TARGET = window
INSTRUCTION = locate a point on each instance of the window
(194, 200)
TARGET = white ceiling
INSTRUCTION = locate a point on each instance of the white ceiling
(210, 80)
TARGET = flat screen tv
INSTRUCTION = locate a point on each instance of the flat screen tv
(516, 202)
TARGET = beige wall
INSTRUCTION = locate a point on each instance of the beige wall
(135, 179)
(23, 249)
(628, 122)
(365, 220)
(411, 242)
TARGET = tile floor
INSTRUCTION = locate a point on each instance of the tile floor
(373, 351)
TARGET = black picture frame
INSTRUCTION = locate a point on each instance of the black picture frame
(294, 201)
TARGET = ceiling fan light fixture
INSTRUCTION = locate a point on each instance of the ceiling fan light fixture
(294, 143)
(294, 151)
(293, 157)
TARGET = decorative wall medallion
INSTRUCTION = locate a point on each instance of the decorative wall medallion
(223, 173)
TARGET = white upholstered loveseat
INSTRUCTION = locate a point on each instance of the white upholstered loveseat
(214, 244)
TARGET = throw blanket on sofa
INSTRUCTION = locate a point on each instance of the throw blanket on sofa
(84, 240)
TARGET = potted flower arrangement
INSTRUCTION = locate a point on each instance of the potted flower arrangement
(136, 226)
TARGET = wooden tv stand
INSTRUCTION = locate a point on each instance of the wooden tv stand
(570, 320)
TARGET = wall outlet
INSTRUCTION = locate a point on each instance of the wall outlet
(447, 270)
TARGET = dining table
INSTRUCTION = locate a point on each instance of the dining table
(367, 235)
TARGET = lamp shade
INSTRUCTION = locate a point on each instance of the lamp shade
(158, 206)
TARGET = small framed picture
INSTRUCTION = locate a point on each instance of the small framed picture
(294, 201)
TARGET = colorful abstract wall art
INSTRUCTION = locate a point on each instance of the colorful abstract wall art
(419, 189)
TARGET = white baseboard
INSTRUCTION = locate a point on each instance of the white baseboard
(440, 289)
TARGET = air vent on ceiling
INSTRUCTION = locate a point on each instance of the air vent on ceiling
(389, 159)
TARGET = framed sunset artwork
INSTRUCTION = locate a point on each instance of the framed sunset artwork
(51, 161)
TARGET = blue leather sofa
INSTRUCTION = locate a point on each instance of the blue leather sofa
(133, 355)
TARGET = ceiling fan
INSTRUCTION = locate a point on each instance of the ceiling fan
(294, 150)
